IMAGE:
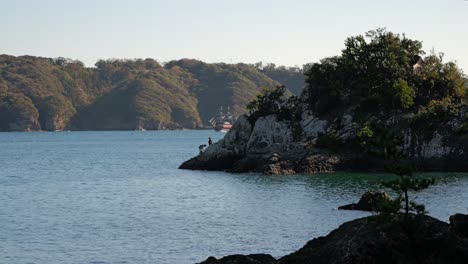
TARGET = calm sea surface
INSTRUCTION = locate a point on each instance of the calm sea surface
(118, 197)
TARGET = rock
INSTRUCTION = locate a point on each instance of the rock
(282, 167)
(269, 135)
(224, 154)
(368, 202)
(391, 239)
(311, 125)
(400, 239)
(242, 259)
(318, 163)
(247, 164)
(459, 225)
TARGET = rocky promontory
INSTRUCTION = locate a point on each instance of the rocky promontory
(378, 239)
(333, 144)
(356, 113)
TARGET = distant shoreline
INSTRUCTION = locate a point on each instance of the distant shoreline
(106, 130)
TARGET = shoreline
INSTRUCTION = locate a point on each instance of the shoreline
(107, 130)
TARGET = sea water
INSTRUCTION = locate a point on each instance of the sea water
(118, 197)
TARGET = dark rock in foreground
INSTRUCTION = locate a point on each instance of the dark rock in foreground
(378, 239)
(459, 225)
(368, 202)
(242, 259)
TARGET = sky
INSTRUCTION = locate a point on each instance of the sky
(286, 32)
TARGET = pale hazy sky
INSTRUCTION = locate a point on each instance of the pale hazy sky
(288, 32)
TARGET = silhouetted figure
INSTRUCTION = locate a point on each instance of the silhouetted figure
(209, 141)
(201, 148)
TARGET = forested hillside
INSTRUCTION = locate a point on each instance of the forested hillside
(56, 94)
(291, 77)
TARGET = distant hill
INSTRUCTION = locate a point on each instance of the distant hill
(291, 77)
(56, 94)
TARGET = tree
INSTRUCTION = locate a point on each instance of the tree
(376, 73)
(405, 183)
(266, 103)
(18, 113)
(378, 140)
(402, 94)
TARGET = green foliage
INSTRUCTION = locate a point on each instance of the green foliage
(3, 89)
(277, 102)
(53, 108)
(392, 206)
(402, 95)
(17, 113)
(291, 77)
(267, 103)
(379, 140)
(220, 84)
(127, 94)
(402, 185)
(434, 113)
(438, 81)
(382, 72)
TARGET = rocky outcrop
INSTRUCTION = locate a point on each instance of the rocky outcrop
(319, 144)
(378, 239)
(311, 125)
(369, 201)
(267, 148)
(226, 153)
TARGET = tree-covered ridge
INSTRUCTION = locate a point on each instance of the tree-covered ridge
(55, 94)
(291, 77)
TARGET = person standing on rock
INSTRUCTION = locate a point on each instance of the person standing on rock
(209, 141)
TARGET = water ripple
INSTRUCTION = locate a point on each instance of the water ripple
(117, 197)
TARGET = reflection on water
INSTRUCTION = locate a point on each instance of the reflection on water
(117, 197)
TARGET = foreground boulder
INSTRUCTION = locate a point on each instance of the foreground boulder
(377, 239)
(368, 202)
(242, 259)
(459, 225)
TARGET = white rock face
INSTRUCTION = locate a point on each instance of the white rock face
(348, 130)
(240, 133)
(234, 142)
(434, 148)
(269, 134)
(311, 125)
